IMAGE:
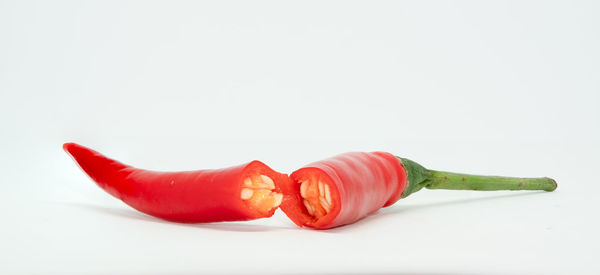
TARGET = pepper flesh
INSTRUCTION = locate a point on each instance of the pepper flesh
(358, 184)
(238, 193)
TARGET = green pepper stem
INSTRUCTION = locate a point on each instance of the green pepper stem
(456, 181)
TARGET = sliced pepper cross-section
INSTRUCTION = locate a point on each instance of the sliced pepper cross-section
(343, 189)
(244, 192)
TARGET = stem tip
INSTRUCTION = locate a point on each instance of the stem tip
(553, 187)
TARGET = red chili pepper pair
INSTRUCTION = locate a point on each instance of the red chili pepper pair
(324, 194)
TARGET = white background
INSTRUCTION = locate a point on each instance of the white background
(507, 88)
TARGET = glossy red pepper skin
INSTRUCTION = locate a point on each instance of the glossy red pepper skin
(361, 183)
(188, 197)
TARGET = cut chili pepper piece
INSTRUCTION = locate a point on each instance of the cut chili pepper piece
(348, 187)
(343, 189)
(243, 192)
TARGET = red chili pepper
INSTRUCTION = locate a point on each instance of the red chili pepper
(348, 187)
(244, 192)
